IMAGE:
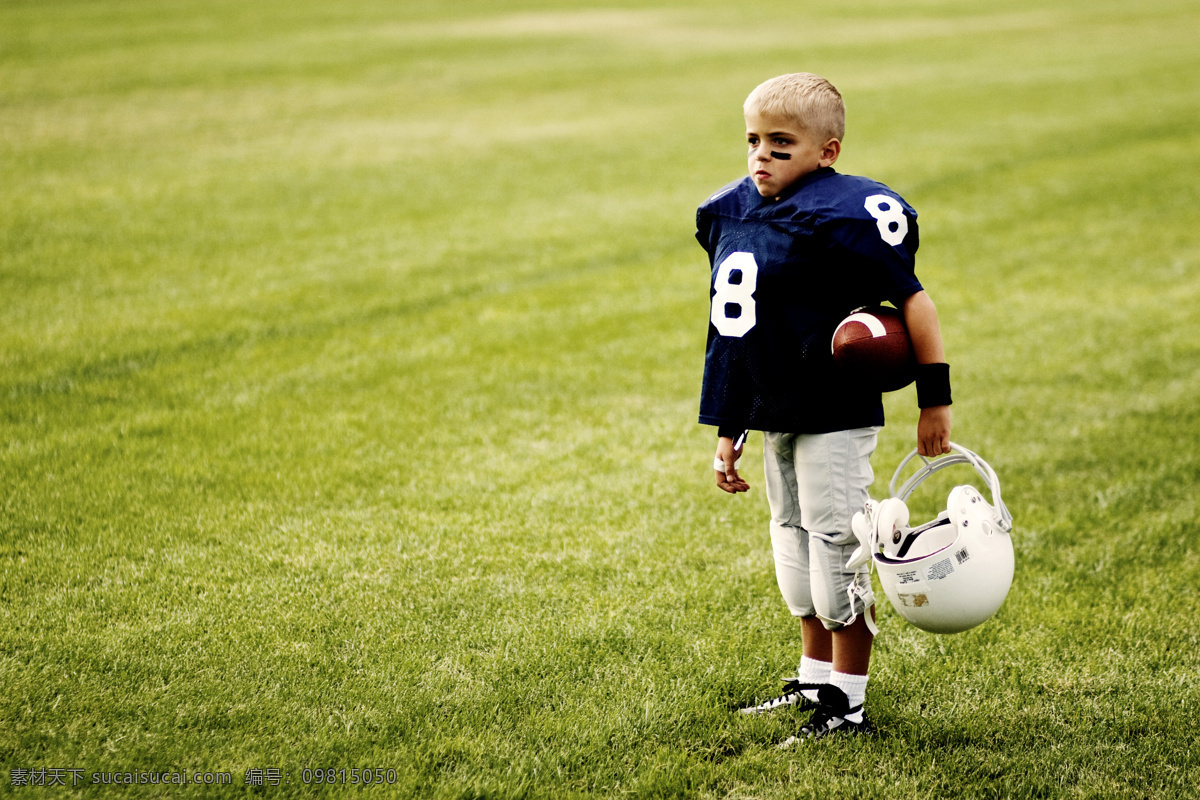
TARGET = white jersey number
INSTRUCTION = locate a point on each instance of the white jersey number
(889, 218)
(733, 303)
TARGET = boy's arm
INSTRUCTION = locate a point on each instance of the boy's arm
(933, 428)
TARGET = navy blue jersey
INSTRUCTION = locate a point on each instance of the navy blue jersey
(785, 272)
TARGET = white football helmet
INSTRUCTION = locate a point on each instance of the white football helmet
(951, 573)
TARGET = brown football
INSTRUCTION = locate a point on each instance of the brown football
(872, 346)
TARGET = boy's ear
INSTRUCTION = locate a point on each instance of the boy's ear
(830, 152)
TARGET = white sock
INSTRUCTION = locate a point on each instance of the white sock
(855, 687)
(813, 671)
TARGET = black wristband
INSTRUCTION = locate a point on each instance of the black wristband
(725, 432)
(933, 385)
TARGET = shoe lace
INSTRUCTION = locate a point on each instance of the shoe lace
(794, 686)
(832, 704)
(819, 721)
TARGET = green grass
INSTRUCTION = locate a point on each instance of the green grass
(349, 365)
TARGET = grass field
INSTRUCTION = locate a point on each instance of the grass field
(349, 365)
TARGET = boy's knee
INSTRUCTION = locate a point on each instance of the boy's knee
(839, 594)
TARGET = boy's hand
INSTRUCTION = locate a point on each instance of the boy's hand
(933, 431)
(728, 479)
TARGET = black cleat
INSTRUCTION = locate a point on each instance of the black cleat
(833, 715)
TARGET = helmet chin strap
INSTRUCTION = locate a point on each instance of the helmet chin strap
(866, 596)
(862, 593)
(863, 525)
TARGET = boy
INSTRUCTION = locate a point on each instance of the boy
(794, 248)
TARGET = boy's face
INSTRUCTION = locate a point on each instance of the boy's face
(782, 152)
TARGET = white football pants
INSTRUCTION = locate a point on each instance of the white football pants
(815, 484)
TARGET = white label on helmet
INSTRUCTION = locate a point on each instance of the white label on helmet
(906, 578)
(941, 569)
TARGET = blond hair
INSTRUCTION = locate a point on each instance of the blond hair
(804, 98)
